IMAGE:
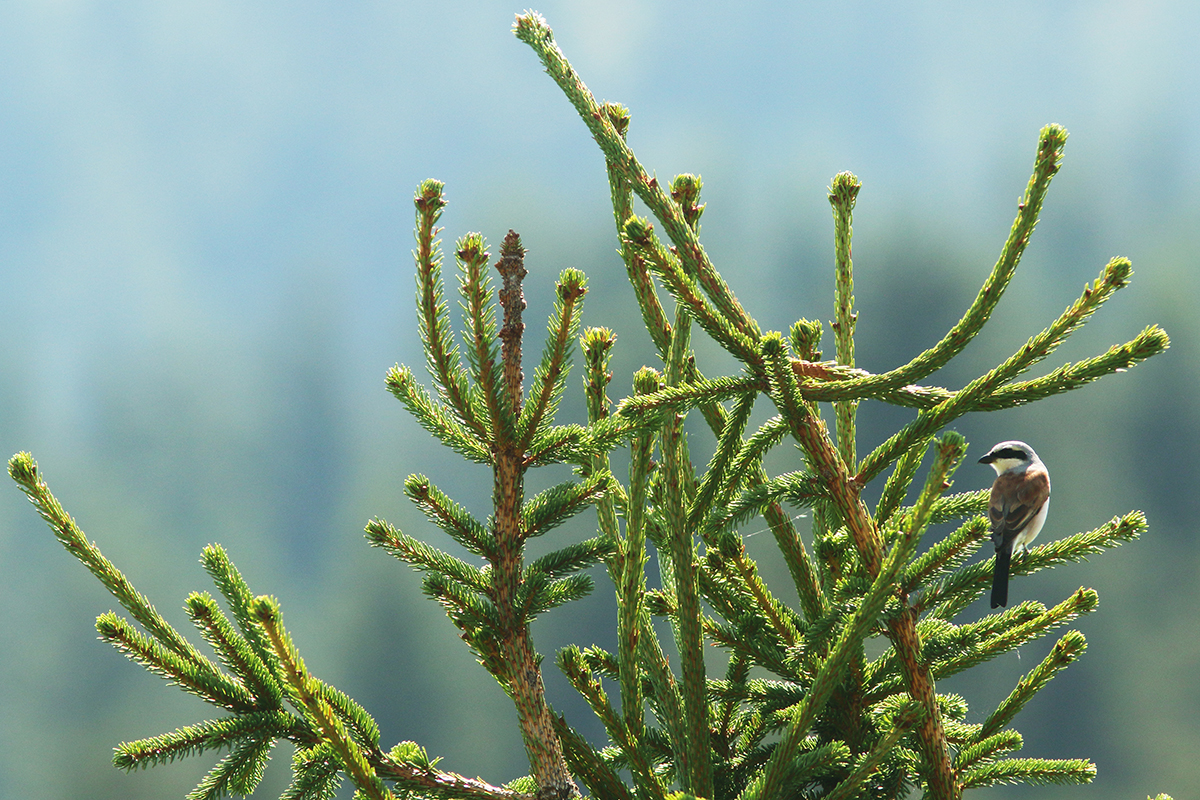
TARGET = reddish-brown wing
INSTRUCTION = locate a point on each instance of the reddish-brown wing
(1016, 499)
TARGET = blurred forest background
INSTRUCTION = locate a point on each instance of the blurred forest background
(205, 226)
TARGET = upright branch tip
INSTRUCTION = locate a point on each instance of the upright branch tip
(843, 190)
(685, 190)
(429, 196)
(23, 469)
(511, 267)
(471, 248)
(806, 338)
(531, 25)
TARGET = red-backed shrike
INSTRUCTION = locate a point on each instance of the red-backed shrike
(1017, 509)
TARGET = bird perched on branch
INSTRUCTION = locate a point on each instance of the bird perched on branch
(1018, 506)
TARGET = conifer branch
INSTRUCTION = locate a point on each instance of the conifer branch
(1067, 650)
(631, 583)
(493, 608)
(479, 329)
(808, 429)
(475, 617)
(818, 765)
(639, 235)
(449, 516)
(572, 558)
(233, 649)
(316, 774)
(423, 557)
(729, 558)
(441, 353)
(574, 444)
(540, 594)
(951, 648)
(947, 554)
(957, 590)
(762, 495)
(426, 782)
(237, 773)
(653, 315)
(559, 503)
(600, 779)
(209, 735)
(24, 470)
(571, 661)
(511, 267)
(597, 344)
(957, 506)
(736, 675)
(200, 678)
(897, 485)
(433, 418)
(987, 749)
(717, 478)
(237, 594)
(918, 680)
(1150, 342)
(1046, 165)
(532, 29)
(1035, 771)
(1114, 533)
(747, 467)
(665, 698)
(306, 693)
(870, 762)
(677, 493)
(842, 194)
(1081, 602)
(1114, 276)
(745, 639)
(728, 508)
(549, 379)
(686, 396)
(768, 782)
(827, 382)
(799, 564)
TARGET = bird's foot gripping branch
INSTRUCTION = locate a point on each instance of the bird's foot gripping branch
(830, 722)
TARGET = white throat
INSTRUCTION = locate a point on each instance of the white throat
(1003, 465)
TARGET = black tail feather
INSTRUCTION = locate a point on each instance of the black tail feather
(1000, 576)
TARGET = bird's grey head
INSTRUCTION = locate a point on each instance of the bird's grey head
(1009, 456)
